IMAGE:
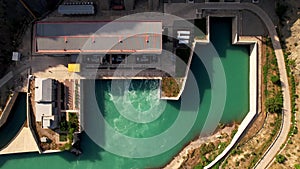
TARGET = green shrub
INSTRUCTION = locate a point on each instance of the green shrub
(204, 159)
(275, 80)
(67, 146)
(233, 132)
(273, 60)
(62, 137)
(210, 147)
(73, 122)
(199, 166)
(280, 158)
(236, 151)
(247, 155)
(297, 166)
(216, 166)
(274, 104)
(70, 137)
(222, 146)
(295, 130)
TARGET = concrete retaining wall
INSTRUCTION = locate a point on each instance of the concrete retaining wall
(30, 116)
(80, 118)
(4, 147)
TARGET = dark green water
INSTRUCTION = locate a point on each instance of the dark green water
(15, 120)
(143, 96)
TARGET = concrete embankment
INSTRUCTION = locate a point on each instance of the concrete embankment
(184, 78)
(22, 143)
(7, 109)
(30, 120)
(25, 140)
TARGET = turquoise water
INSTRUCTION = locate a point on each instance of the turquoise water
(235, 60)
(117, 107)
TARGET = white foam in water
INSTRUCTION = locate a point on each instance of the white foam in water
(137, 103)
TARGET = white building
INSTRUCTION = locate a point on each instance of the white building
(46, 112)
(16, 56)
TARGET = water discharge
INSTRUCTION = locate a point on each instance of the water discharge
(138, 102)
(140, 96)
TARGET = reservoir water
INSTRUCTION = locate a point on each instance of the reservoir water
(15, 120)
(117, 107)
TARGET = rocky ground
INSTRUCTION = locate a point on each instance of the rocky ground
(191, 155)
(248, 152)
(291, 35)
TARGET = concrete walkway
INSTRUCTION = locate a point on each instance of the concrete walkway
(190, 13)
(11, 74)
(22, 143)
(282, 137)
(6, 78)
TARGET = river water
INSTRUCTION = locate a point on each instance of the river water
(117, 112)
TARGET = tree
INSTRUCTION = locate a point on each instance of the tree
(280, 158)
(274, 104)
(275, 80)
(63, 126)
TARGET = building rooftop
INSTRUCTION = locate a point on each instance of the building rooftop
(49, 121)
(43, 109)
(43, 90)
(76, 9)
(16, 56)
(98, 37)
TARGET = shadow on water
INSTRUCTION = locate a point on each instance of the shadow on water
(198, 69)
(14, 122)
(91, 153)
(91, 121)
(235, 61)
(200, 74)
(100, 87)
(94, 156)
(224, 44)
(205, 71)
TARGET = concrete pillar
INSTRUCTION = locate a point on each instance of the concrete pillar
(129, 4)
(104, 4)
